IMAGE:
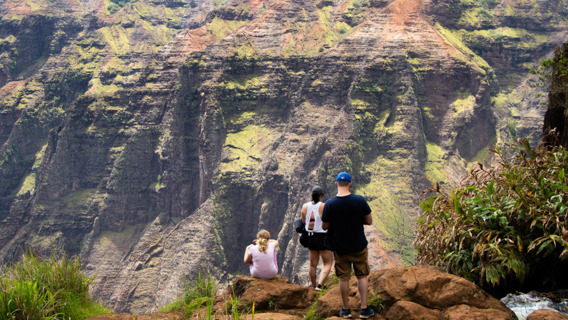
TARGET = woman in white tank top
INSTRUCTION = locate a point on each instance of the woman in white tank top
(311, 216)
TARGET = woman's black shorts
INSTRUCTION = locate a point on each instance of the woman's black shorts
(315, 241)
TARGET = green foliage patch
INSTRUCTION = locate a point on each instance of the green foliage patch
(194, 296)
(554, 70)
(376, 302)
(332, 282)
(46, 289)
(506, 227)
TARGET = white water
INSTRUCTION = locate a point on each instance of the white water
(525, 304)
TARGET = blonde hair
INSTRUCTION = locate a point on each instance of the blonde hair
(263, 237)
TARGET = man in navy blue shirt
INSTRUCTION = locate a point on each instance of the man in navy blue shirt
(346, 214)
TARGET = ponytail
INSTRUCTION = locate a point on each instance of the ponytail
(315, 197)
(316, 193)
(263, 237)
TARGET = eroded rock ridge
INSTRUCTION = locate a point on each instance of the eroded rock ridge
(154, 138)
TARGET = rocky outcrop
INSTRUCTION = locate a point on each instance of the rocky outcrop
(546, 315)
(278, 293)
(154, 138)
(410, 310)
(277, 298)
(421, 293)
(402, 293)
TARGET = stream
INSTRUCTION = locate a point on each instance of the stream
(525, 304)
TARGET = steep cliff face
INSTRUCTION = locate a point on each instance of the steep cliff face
(154, 138)
(556, 117)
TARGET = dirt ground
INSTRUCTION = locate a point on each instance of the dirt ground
(152, 316)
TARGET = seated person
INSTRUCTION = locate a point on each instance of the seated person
(262, 256)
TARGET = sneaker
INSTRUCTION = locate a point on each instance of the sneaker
(320, 287)
(345, 313)
(366, 313)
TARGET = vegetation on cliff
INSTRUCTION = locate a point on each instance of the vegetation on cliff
(506, 227)
(194, 295)
(129, 127)
(554, 73)
(51, 288)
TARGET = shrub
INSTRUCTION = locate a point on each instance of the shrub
(46, 289)
(376, 302)
(113, 8)
(505, 228)
(23, 300)
(553, 70)
(194, 295)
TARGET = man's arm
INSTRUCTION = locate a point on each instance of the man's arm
(368, 220)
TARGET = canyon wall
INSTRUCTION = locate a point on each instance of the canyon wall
(153, 138)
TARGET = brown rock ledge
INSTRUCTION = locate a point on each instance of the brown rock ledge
(409, 293)
(546, 315)
(421, 292)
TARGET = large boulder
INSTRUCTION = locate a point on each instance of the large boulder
(406, 310)
(403, 310)
(277, 299)
(329, 304)
(278, 293)
(546, 315)
(465, 312)
(430, 287)
(420, 292)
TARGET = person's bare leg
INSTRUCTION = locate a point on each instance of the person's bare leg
(327, 257)
(363, 286)
(344, 290)
(314, 259)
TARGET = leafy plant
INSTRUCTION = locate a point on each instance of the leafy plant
(360, 3)
(209, 313)
(376, 302)
(272, 303)
(22, 300)
(506, 224)
(235, 309)
(194, 295)
(551, 70)
(46, 289)
(332, 281)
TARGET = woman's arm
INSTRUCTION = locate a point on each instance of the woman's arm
(248, 256)
(274, 241)
(304, 212)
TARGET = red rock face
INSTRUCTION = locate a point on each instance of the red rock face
(154, 138)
